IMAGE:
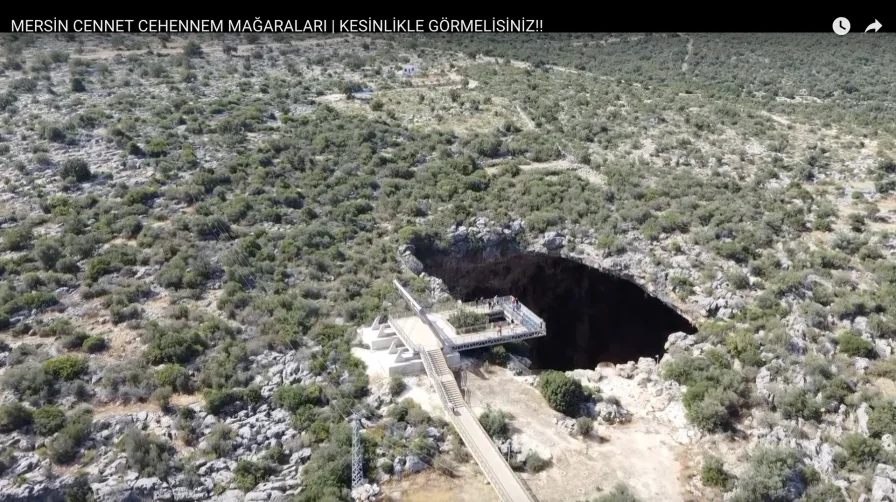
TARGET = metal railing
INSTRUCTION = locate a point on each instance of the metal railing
(471, 443)
(402, 335)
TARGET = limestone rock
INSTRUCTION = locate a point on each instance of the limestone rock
(884, 488)
(862, 418)
(553, 241)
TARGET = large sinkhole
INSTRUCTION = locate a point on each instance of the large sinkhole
(590, 316)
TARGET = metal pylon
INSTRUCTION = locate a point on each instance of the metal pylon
(357, 458)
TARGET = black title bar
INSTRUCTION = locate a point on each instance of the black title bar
(544, 20)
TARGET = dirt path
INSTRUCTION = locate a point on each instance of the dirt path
(684, 65)
(583, 469)
(530, 124)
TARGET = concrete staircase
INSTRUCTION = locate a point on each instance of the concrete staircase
(446, 377)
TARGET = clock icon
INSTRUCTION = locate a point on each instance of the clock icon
(841, 26)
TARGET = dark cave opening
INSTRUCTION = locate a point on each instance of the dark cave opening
(590, 316)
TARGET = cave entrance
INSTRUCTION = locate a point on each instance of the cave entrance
(590, 316)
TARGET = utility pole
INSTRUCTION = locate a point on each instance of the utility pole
(357, 456)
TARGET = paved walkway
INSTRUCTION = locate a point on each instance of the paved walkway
(509, 486)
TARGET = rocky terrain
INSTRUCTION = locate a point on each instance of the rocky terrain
(193, 227)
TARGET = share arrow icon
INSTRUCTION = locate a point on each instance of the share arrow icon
(873, 26)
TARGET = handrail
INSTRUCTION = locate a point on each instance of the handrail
(402, 335)
(445, 339)
(436, 378)
(468, 440)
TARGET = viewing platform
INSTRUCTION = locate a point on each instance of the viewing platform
(430, 340)
(452, 327)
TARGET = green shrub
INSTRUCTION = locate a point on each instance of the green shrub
(162, 397)
(74, 341)
(882, 419)
(175, 347)
(217, 400)
(495, 423)
(713, 473)
(620, 493)
(94, 344)
(146, 453)
(799, 403)
(497, 354)
(48, 420)
(584, 426)
(860, 453)
(192, 49)
(220, 440)
(714, 393)
(771, 471)
(47, 252)
(855, 346)
(563, 394)
(157, 147)
(836, 390)
(66, 444)
(396, 385)
(66, 367)
(14, 416)
(75, 168)
(249, 474)
(294, 397)
(175, 377)
(534, 463)
(465, 318)
(17, 238)
(30, 382)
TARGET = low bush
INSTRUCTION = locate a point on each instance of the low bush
(175, 377)
(465, 318)
(620, 493)
(584, 426)
(535, 463)
(249, 474)
(495, 423)
(66, 444)
(714, 393)
(882, 419)
(14, 416)
(216, 401)
(48, 420)
(220, 440)
(854, 345)
(75, 168)
(294, 397)
(30, 382)
(799, 403)
(176, 347)
(146, 453)
(396, 385)
(772, 470)
(162, 397)
(563, 394)
(94, 344)
(859, 453)
(713, 473)
(66, 368)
